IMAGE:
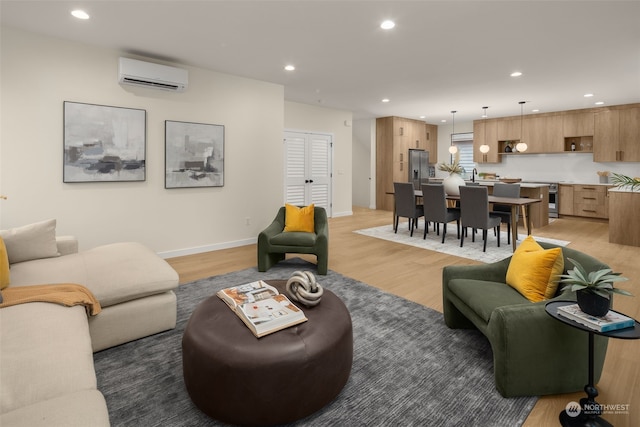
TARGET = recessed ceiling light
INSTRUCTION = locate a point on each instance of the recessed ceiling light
(423, 117)
(516, 74)
(289, 67)
(535, 111)
(386, 100)
(600, 103)
(387, 25)
(588, 95)
(443, 121)
(80, 14)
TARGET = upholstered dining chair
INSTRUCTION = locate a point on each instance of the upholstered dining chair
(502, 189)
(474, 213)
(435, 209)
(406, 206)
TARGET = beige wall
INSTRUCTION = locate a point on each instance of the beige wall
(302, 117)
(38, 74)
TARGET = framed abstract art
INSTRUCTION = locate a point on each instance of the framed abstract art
(194, 155)
(103, 143)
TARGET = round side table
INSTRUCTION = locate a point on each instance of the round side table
(590, 409)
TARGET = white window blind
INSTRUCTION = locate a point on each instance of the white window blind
(464, 142)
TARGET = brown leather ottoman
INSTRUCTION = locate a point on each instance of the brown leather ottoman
(237, 378)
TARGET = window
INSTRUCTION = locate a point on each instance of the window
(464, 142)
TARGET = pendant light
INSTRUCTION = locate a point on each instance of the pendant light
(452, 148)
(484, 148)
(521, 146)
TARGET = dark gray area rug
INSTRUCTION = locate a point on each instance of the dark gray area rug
(409, 369)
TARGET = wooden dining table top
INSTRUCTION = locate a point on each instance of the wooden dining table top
(517, 201)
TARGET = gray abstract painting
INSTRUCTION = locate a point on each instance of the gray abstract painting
(103, 144)
(194, 155)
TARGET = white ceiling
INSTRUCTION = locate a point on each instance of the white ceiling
(441, 56)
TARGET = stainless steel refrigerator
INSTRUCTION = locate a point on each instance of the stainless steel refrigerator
(418, 167)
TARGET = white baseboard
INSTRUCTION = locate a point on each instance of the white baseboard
(337, 214)
(207, 248)
(224, 245)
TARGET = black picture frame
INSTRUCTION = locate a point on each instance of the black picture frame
(194, 155)
(103, 143)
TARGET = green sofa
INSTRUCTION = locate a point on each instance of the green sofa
(274, 244)
(533, 353)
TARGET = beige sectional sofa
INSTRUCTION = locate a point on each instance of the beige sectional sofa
(46, 350)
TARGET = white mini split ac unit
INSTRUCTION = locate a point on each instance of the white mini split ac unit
(147, 74)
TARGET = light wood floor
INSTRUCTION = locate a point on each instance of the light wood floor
(415, 274)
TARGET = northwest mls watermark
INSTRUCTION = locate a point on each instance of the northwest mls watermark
(574, 409)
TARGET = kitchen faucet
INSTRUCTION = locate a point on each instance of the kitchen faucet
(473, 174)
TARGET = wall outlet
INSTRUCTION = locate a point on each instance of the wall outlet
(247, 221)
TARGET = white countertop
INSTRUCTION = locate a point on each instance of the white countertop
(490, 182)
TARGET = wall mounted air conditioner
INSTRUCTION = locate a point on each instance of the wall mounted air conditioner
(147, 74)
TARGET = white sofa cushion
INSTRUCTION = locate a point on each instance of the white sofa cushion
(114, 273)
(32, 241)
(80, 409)
(45, 353)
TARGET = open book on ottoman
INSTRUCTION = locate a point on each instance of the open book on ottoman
(261, 307)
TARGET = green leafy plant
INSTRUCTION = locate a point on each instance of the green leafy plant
(598, 282)
(620, 180)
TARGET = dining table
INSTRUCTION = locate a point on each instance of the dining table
(514, 203)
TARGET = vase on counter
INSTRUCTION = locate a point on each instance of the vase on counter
(451, 184)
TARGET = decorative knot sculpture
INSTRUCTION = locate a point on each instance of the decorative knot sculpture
(303, 288)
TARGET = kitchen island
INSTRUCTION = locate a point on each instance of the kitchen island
(624, 227)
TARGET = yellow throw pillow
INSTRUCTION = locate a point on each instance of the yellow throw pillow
(299, 219)
(4, 266)
(535, 271)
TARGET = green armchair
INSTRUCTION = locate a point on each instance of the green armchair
(274, 243)
(533, 353)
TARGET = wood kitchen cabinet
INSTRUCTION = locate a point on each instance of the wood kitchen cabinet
(543, 134)
(624, 227)
(394, 137)
(591, 201)
(509, 129)
(565, 199)
(486, 132)
(578, 124)
(617, 135)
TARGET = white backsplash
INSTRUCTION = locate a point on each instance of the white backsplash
(561, 167)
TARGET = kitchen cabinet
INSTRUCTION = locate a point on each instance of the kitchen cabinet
(624, 227)
(431, 138)
(578, 124)
(591, 201)
(543, 134)
(394, 137)
(617, 135)
(509, 129)
(486, 132)
(565, 199)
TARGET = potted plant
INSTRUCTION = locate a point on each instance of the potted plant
(623, 181)
(454, 180)
(594, 289)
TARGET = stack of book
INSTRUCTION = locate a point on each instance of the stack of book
(611, 321)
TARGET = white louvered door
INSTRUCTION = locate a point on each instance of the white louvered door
(308, 169)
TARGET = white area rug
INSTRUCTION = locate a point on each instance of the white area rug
(451, 245)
